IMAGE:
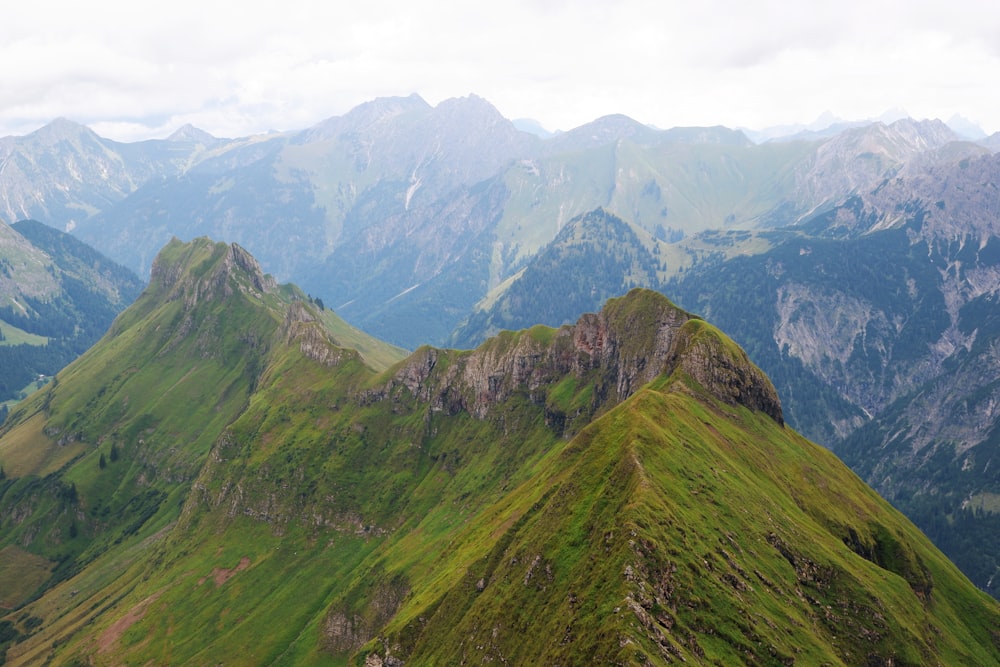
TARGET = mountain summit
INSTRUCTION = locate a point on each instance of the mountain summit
(618, 490)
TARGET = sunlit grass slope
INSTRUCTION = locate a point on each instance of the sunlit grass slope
(241, 488)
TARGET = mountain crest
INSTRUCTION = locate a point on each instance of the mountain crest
(601, 132)
(204, 268)
(62, 129)
(630, 342)
(192, 134)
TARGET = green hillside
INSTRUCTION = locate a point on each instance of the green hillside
(221, 480)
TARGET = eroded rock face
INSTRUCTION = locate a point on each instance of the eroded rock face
(633, 340)
(730, 376)
(228, 267)
(313, 340)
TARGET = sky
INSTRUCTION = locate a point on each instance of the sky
(137, 69)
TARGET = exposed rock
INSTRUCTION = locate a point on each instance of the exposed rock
(314, 341)
(192, 277)
(347, 631)
(630, 342)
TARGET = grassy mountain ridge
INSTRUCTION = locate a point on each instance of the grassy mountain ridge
(683, 575)
(219, 480)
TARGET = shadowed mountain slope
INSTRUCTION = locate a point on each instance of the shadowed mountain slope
(57, 297)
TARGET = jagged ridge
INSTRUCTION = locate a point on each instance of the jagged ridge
(627, 344)
(643, 506)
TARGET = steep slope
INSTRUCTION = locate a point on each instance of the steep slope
(670, 530)
(883, 311)
(57, 297)
(622, 489)
(857, 159)
(95, 458)
(595, 256)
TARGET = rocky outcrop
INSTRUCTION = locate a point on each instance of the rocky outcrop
(204, 268)
(633, 340)
(724, 369)
(313, 339)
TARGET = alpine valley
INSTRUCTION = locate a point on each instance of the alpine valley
(57, 297)
(233, 475)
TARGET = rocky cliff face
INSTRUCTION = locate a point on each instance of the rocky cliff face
(203, 268)
(859, 158)
(633, 340)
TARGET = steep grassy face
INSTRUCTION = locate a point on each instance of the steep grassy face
(90, 468)
(678, 528)
(620, 490)
(878, 324)
(105, 455)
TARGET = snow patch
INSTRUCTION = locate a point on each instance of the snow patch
(414, 186)
(406, 291)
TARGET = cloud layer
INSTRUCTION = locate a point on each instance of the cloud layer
(131, 71)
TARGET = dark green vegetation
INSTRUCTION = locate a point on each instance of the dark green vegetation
(57, 297)
(878, 313)
(221, 479)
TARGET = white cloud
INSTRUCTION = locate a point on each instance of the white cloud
(268, 65)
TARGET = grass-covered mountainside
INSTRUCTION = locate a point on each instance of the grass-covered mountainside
(57, 297)
(877, 322)
(233, 476)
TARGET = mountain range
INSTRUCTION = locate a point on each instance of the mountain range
(234, 474)
(856, 265)
(398, 209)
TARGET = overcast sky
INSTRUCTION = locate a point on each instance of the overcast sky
(136, 69)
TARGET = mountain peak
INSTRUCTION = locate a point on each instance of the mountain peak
(614, 127)
(468, 103)
(61, 129)
(204, 268)
(660, 338)
(924, 134)
(192, 134)
(381, 110)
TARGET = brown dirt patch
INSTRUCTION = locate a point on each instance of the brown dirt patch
(110, 637)
(222, 575)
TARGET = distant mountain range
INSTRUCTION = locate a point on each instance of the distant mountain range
(854, 262)
(398, 209)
